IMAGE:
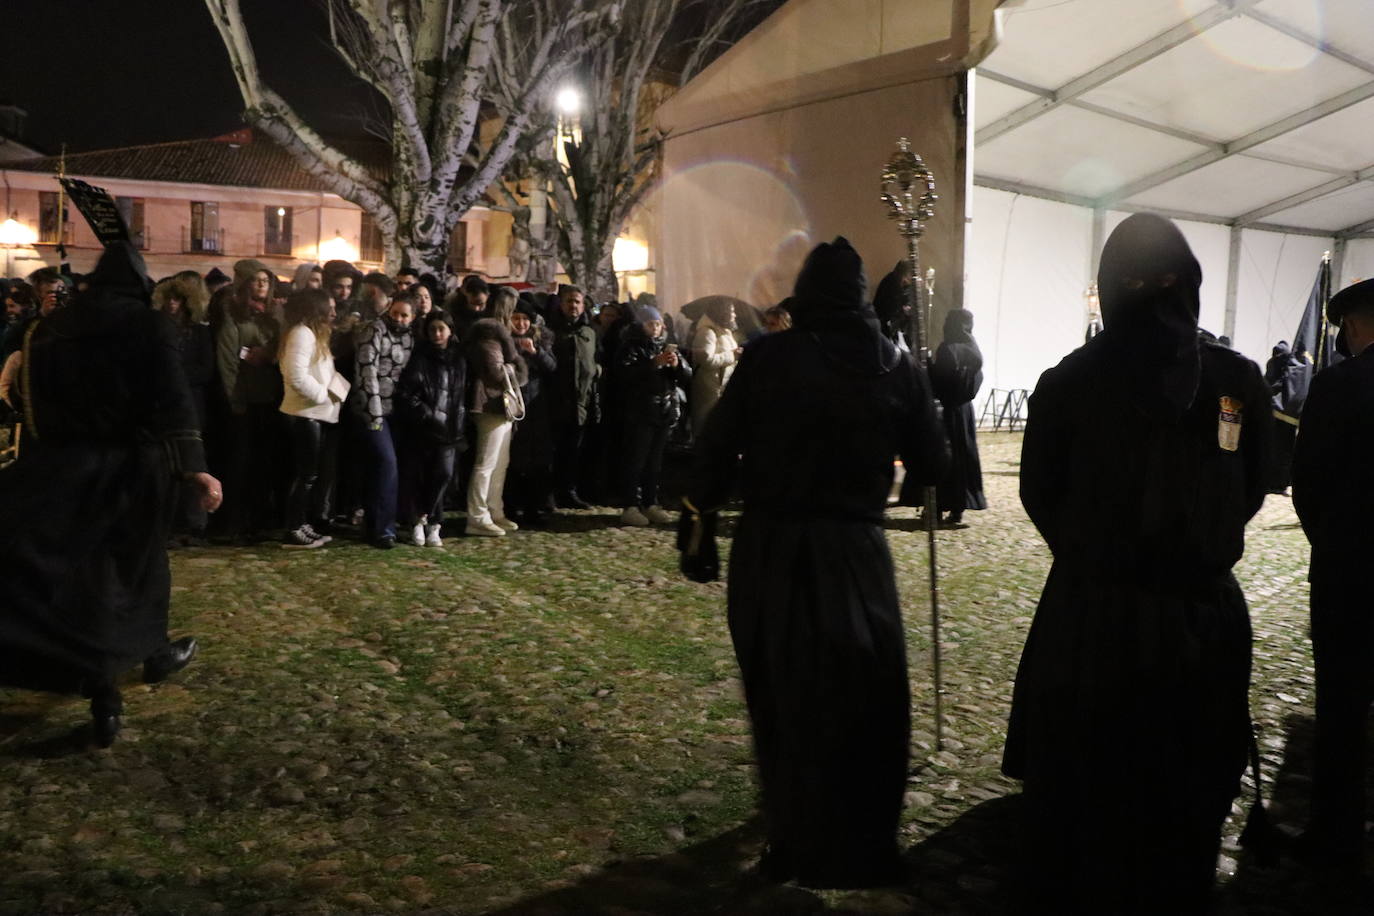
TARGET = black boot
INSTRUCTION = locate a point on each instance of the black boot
(168, 660)
(106, 707)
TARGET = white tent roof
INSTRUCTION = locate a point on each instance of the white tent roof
(1249, 113)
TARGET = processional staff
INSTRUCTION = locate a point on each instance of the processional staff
(908, 189)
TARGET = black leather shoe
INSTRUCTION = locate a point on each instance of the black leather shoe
(384, 543)
(168, 660)
(571, 500)
(106, 729)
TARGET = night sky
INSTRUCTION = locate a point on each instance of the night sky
(107, 73)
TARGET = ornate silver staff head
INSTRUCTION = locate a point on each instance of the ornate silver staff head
(908, 190)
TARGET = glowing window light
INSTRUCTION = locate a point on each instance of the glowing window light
(629, 255)
(338, 249)
(13, 232)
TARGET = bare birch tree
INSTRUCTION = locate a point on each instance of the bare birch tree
(611, 162)
(442, 66)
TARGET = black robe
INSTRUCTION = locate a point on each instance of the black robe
(813, 608)
(85, 512)
(1130, 719)
(957, 375)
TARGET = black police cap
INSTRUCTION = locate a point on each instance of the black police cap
(1354, 296)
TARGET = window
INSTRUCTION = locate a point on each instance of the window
(458, 247)
(131, 208)
(205, 234)
(48, 221)
(276, 230)
(370, 247)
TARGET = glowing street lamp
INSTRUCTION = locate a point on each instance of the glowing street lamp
(568, 101)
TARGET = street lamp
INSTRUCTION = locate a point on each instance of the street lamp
(568, 101)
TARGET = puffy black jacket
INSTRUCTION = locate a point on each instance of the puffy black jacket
(649, 392)
(429, 398)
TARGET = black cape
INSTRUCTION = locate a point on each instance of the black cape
(1130, 721)
(813, 607)
(957, 375)
(85, 512)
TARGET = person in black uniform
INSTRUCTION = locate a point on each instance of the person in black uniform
(1335, 503)
(1145, 454)
(85, 511)
(813, 608)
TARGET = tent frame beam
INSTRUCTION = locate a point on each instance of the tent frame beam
(1241, 144)
(1123, 63)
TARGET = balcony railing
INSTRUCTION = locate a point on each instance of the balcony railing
(277, 245)
(204, 243)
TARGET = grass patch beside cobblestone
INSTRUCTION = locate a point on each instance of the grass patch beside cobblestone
(548, 722)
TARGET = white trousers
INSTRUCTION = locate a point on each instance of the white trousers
(489, 467)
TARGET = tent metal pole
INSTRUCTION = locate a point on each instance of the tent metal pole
(1232, 283)
(1338, 265)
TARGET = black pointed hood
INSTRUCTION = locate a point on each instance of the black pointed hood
(828, 303)
(1148, 283)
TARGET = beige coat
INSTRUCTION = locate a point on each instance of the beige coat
(713, 360)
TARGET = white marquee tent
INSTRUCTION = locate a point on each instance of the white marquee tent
(1250, 122)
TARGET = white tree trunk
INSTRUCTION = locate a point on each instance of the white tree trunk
(435, 62)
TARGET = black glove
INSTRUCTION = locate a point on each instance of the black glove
(696, 542)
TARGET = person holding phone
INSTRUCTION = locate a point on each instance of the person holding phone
(650, 371)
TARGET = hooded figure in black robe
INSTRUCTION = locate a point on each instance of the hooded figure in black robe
(1144, 456)
(892, 303)
(809, 426)
(956, 375)
(1288, 378)
(85, 511)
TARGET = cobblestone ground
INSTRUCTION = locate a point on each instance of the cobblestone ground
(547, 723)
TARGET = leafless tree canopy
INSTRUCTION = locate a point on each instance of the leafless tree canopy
(656, 46)
(443, 67)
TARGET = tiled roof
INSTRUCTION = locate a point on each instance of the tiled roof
(240, 159)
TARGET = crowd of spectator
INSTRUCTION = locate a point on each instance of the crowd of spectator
(347, 402)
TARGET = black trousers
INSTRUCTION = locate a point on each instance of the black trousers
(426, 472)
(1343, 651)
(643, 460)
(314, 452)
(251, 488)
(569, 447)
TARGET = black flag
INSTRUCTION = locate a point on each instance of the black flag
(99, 208)
(1315, 341)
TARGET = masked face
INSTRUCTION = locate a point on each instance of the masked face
(399, 316)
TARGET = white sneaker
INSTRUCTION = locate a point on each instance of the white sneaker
(417, 534)
(657, 516)
(632, 516)
(505, 523)
(432, 538)
(485, 528)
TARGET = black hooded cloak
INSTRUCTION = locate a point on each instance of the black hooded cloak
(956, 375)
(1144, 456)
(809, 426)
(85, 511)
